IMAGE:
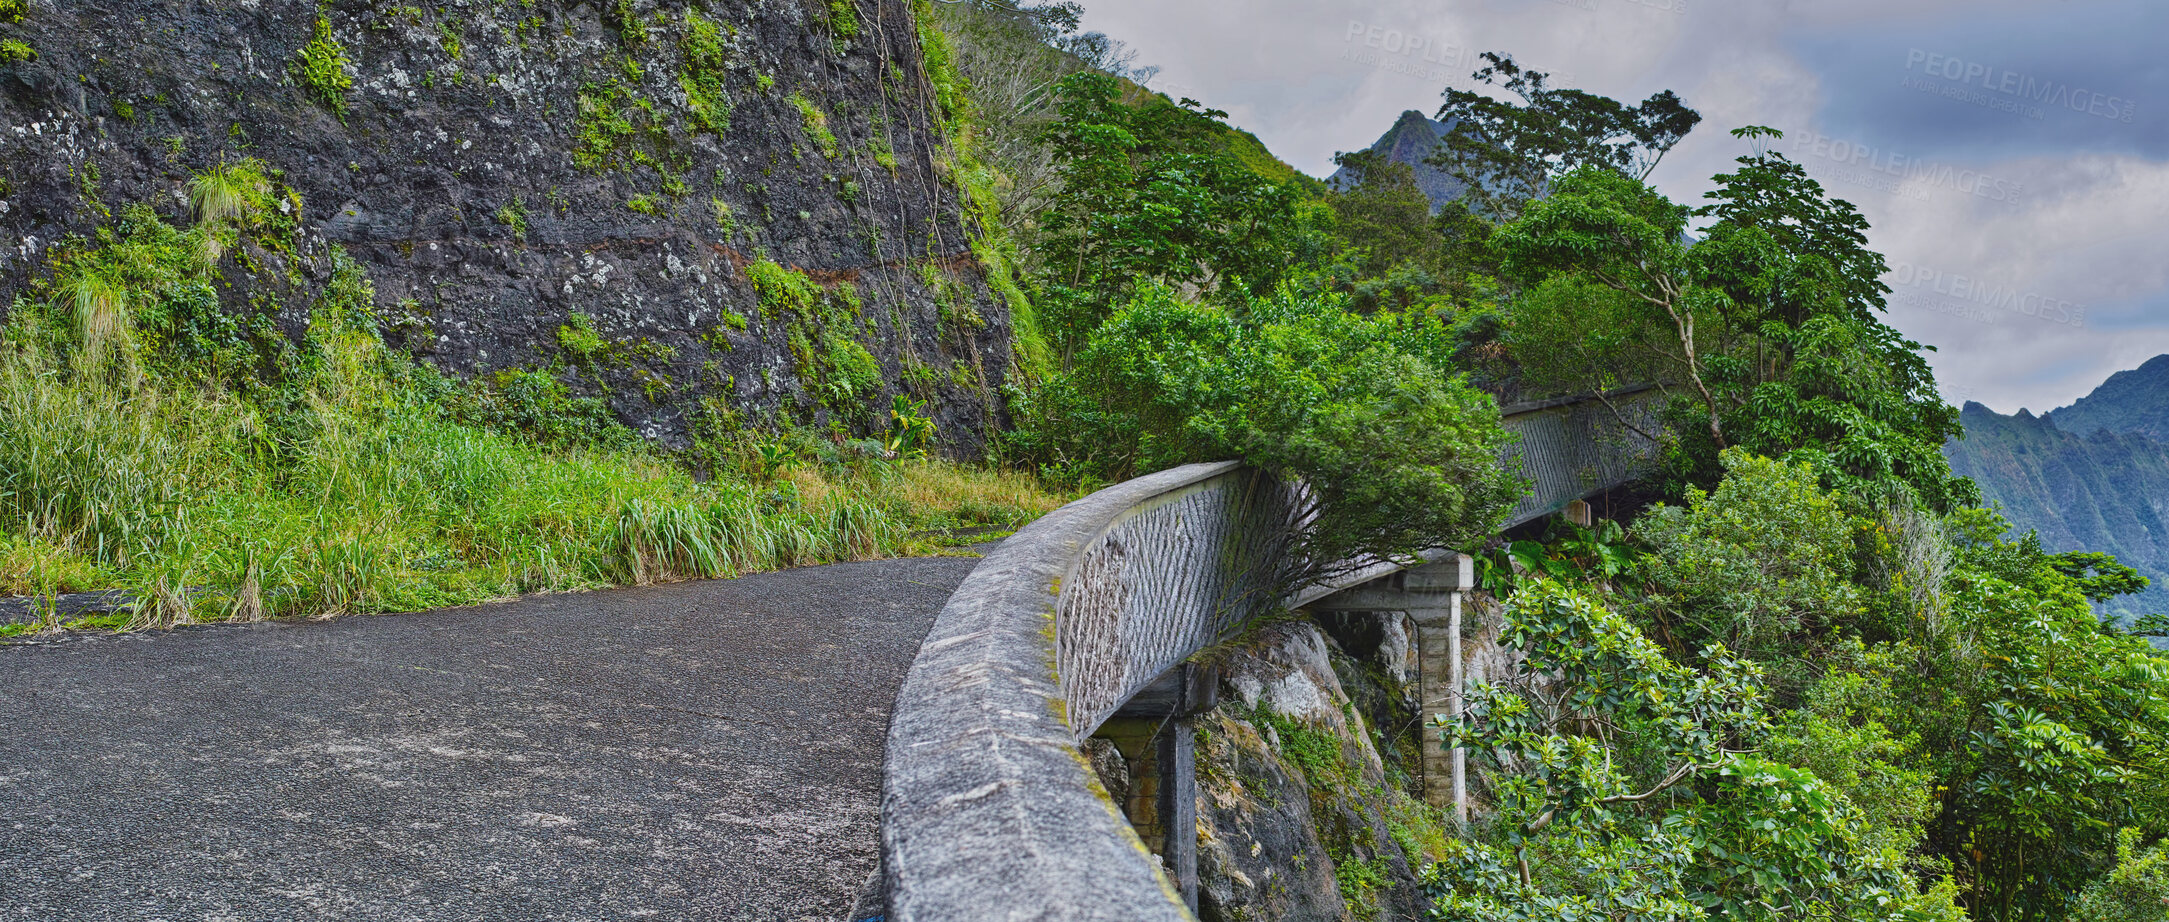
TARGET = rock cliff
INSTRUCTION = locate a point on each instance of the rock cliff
(710, 214)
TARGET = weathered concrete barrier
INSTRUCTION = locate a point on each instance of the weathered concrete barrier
(989, 811)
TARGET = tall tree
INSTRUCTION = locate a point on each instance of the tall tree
(1150, 193)
(1509, 152)
(1768, 326)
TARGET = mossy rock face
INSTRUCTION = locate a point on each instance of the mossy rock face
(477, 160)
(1300, 816)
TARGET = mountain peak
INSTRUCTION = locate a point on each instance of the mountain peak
(2134, 401)
(1411, 140)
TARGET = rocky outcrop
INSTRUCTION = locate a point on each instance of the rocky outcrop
(506, 172)
(1301, 815)
(1412, 140)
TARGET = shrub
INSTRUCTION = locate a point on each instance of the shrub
(1761, 564)
(320, 68)
(2136, 891)
(1397, 455)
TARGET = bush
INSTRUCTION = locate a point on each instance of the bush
(320, 68)
(1396, 454)
(2137, 891)
(1760, 565)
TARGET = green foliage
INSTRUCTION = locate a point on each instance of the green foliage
(1628, 791)
(707, 63)
(1760, 565)
(1764, 324)
(2098, 575)
(1844, 734)
(822, 335)
(2136, 891)
(644, 203)
(16, 52)
(911, 431)
(12, 11)
(626, 20)
(1507, 153)
(448, 38)
(815, 120)
(781, 291)
(1398, 454)
(320, 68)
(846, 376)
(578, 338)
(618, 129)
(514, 217)
(1389, 229)
(1148, 194)
(2051, 728)
(843, 19)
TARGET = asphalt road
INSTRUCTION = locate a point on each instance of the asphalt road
(695, 751)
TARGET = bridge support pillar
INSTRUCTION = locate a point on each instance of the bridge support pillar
(1431, 595)
(1156, 733)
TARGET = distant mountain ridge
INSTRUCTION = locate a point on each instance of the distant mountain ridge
(2091, 476)
(2135, 401)
(1411, 140)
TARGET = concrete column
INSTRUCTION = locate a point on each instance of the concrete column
(1457, 684)
(1431, 595)
(1178, 805)
(1438, 667)
(1157, 734)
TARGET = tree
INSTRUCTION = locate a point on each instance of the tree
(1765, 327)
(1384, 217)
(1395, 455)
(1508, 153)
(1151, 194)
(1628, 788)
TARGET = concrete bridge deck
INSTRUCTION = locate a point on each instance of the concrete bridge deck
(700, 750)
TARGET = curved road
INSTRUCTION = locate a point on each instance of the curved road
(695, 751)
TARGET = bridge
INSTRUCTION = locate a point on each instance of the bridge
(709, 750)
(989, 809)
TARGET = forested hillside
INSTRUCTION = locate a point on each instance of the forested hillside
(1814, 681)
(2105, 490)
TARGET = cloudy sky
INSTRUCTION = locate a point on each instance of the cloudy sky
(2013, 155)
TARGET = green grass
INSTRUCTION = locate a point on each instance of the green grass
(392, 506)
